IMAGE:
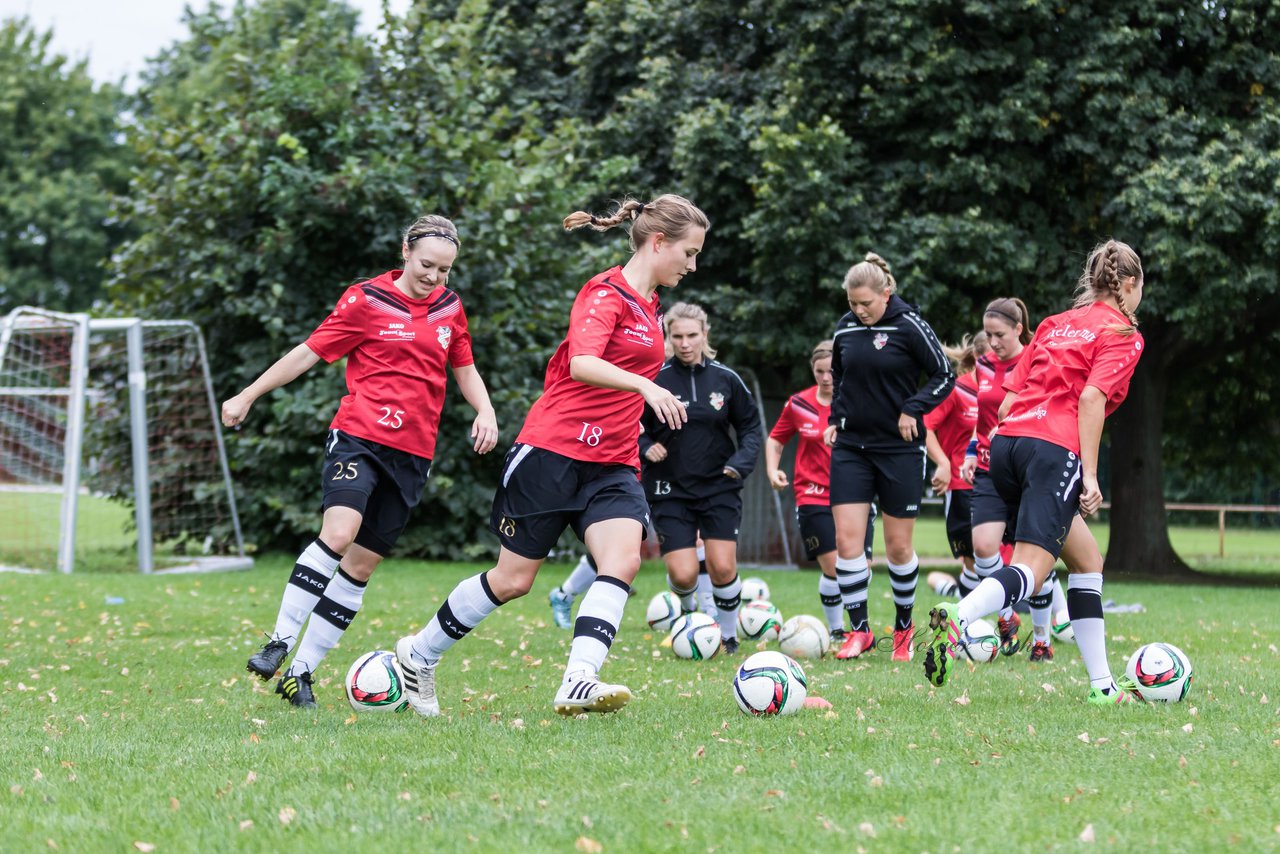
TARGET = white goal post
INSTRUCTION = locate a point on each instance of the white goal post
(98, 416)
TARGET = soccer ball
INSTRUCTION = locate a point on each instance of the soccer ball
(805, 637)
(688, 621)
(1060, 629)
(663, 610)
(759, 620)
(753, 589)
(980, 642)
(375, 684)
(1161, 672)
(770, 683)
(697, 642)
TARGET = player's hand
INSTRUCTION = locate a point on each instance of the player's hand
(1090, 496)
(235, 410)
(778, 479)
(829, 436)
(941, 478)
(657, 452)
(907, 427)
(484, 432)
(665, 405)
(968, 468)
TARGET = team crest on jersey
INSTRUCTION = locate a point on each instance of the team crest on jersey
(443, 334)
(880, 340)
(716, 400)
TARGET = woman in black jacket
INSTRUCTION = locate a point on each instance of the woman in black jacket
(693, 477)
(882, 348)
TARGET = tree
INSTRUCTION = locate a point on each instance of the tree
(61, 162)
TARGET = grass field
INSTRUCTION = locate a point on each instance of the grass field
(134, 724)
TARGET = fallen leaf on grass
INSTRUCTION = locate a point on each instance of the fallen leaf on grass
(1087, 834)
(1182, 762)
(587, 845)
(1188, 728)
(868, 828)
(174, 803)
(962, 700)
(700, 752)
(246, 824)
(1084, 736)
(144, 846)
(287, 814)
(1048, 689)
(816, 703)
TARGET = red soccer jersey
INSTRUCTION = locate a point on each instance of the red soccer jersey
(803, 414)
(991, 373)
(1072, 350)
(585, 422)
(396, 350)
(953, 421)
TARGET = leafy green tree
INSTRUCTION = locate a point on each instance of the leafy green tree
(61, 161)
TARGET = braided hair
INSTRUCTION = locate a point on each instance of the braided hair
(1105, 271)
(668, 214)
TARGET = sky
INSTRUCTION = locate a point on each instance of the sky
(117, 36)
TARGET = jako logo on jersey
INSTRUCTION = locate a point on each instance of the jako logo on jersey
(880, 340)
(443, 334)
(716, 400)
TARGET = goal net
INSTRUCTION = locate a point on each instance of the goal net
(111, 455)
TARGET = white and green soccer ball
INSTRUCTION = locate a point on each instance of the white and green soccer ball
(770, 683)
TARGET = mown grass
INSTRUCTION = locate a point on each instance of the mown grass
(136, 723)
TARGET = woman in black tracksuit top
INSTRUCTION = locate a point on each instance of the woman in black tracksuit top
(693, 477)
(882, 348)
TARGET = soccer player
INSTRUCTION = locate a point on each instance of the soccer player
(950, 428)
(1044, 459)
(1008, 327)
(576, 461)
(881, 349)
(693, 477)
(398, 331)
(806, 414)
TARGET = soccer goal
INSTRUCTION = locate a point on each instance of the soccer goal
(111, 452)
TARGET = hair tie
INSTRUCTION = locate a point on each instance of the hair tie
(1006, 315)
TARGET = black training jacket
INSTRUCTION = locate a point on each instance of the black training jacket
(716, 399)
(876, 371)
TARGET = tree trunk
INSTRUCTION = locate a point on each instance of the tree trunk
(1139, 524)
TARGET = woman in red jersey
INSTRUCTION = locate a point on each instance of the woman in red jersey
(1008, 327)
(950, 428)
(806, 413)
(398, 331)
(577, 460)
(1044, 458)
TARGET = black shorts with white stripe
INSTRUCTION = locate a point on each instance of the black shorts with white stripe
(1040, 483)
(542, 493)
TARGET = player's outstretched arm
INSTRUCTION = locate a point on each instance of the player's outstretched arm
(484, 430)
(1093, 411)
(287, 368)
(595, 371)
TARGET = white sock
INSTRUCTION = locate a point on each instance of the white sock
(1042, 609)
(1084, 600)
(1005, 585)
(469, 603)
(311, 574)
(829, 593)
(599, 616)
(332, 616)
(707, 596)
(854, 577)
(985, 567)
(580, 579)
(688, 598)
(728, 597)
(902, 578)
(968, 581)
